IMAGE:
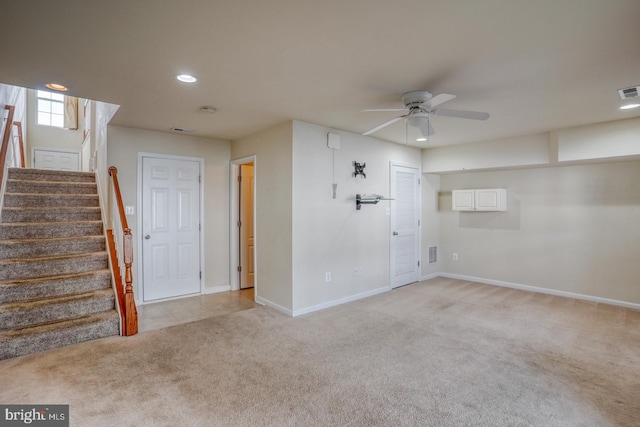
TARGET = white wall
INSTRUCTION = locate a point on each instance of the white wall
(523, 151)
(40, 136)
(599, 141)
(330, 235)
(430, 225)
(571, 228)
(273, 177)
(124, 146)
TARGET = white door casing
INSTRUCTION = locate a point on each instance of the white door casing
(405, 225)
(170, 212)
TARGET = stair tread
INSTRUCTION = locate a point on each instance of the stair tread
(26, 282)
(55, 257)
(97, 237)
(51, 223)
(43, 328)
(52, 208)
(40, 302)
(69, 195)
(52, 182)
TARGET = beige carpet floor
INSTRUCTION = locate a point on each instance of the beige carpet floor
(437, 353)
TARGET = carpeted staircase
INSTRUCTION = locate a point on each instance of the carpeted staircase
(55, 282)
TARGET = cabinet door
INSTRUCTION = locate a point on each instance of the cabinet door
(490, 199)
(463, 200)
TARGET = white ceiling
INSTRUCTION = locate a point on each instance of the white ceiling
(533, 65)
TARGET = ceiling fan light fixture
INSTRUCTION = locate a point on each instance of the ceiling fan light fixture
(57, 87)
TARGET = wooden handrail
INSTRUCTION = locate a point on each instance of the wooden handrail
(21, 141)
(130, 315)
(5, 139)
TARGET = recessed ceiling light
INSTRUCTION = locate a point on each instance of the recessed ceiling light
(629, 106)
(186, 78)
(57, 86)
(421, 139)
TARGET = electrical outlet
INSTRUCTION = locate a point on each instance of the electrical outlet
(327, 276)
(357, 271)
(455, 256)
(129, 210)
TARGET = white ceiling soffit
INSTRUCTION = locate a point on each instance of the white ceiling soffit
(533, 65)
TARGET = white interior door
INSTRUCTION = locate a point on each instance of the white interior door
(247, 249)
(405, 225)
(170, 227)
(56, 159)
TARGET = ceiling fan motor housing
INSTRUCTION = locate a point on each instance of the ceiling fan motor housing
(416, 98)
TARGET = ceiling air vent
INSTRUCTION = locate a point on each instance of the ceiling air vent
(629, 92)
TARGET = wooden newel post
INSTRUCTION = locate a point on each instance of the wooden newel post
(131, 327)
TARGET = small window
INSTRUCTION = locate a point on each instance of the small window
(50, 109)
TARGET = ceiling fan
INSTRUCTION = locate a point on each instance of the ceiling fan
(419, 106)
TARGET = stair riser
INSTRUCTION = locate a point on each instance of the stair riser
(33, 343)
(62, 215)
(55, 312)
(50, 201)
(17, 292)
(27, 270)
(48, 231)
(42, 248)
(42, 187)
(49, 176)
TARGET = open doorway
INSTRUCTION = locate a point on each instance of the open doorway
(243, 225)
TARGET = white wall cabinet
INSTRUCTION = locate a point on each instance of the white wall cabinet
(484, 199)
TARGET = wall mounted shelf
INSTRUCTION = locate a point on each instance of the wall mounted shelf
(368, 199)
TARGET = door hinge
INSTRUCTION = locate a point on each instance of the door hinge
(239, 224)
(239, 269)
(239, 178)
(418, 223)
(199, 227)
(418, 181)
(200, 179)
(418, 263)
(201, 275)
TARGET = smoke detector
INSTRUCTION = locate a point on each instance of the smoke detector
(207, 109)
(629, 92)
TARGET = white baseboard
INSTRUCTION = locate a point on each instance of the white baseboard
(344, 300)
(273, 305)
(216, 289)
(430, 276)
(542, 290)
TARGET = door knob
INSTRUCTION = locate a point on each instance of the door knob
(147, 237)
(395, 233)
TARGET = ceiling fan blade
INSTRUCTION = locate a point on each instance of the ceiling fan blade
(385, 124)
(474, 115)
(437, 100)
(384, 109)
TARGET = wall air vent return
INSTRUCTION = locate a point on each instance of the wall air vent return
(433, 254)
(181, 130)
(629, 92)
